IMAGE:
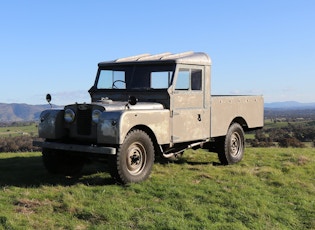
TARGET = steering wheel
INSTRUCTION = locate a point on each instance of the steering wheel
(114, 86)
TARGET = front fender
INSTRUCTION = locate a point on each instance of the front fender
(108, 128)
(114, 126)
(51, 124)
(155, 120)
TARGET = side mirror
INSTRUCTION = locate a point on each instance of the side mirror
(48, 99)
(132, 100)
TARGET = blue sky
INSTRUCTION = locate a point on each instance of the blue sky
(257, 47)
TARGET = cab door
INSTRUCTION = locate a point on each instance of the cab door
(188, 113)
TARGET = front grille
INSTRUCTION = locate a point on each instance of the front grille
(84, 122)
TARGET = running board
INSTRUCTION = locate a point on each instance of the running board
(180, 152)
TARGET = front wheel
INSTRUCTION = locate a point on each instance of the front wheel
(134, 160)
(233, 145)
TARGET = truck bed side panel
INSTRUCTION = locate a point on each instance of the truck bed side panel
(224, 109)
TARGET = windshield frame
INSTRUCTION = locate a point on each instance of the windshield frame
(137, 76)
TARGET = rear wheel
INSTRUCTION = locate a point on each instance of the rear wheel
(233, 145)
(134, 159)
(61, 162)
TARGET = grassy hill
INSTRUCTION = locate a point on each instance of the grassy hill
(272, 188)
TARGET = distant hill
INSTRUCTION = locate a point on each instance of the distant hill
(20, 112)
(24, 112)
(289, 105)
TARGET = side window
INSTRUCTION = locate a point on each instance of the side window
(189, 79)
(196, 79)
(182, 79)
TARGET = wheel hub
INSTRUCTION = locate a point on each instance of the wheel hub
(136, 158)
(235, 144)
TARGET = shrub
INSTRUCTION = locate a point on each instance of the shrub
(291, 142)
(17, 144)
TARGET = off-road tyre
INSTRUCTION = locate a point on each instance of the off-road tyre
(232, 146)
(134, 159)
(61, 162)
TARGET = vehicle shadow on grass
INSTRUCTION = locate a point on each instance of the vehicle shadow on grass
(30, 172)
(183, 160)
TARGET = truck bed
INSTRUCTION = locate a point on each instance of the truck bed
(225, 109)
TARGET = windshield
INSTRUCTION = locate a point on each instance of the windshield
(135, 77)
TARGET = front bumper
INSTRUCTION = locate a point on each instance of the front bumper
(76, 148)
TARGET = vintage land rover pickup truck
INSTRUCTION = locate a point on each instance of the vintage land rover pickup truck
(143, 106)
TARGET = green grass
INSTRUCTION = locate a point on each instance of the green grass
(268, 124)
(18, 130)
(272, 188)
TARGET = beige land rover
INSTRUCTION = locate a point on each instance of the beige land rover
(143, 106)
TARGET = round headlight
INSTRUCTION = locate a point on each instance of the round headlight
(69, 115)
(96, 115)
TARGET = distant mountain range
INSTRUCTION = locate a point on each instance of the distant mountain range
(20, 112)
(289, 105)
(24, 112)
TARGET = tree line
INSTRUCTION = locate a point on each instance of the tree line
(292, 135)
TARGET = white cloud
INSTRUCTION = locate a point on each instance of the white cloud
(246, 92)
